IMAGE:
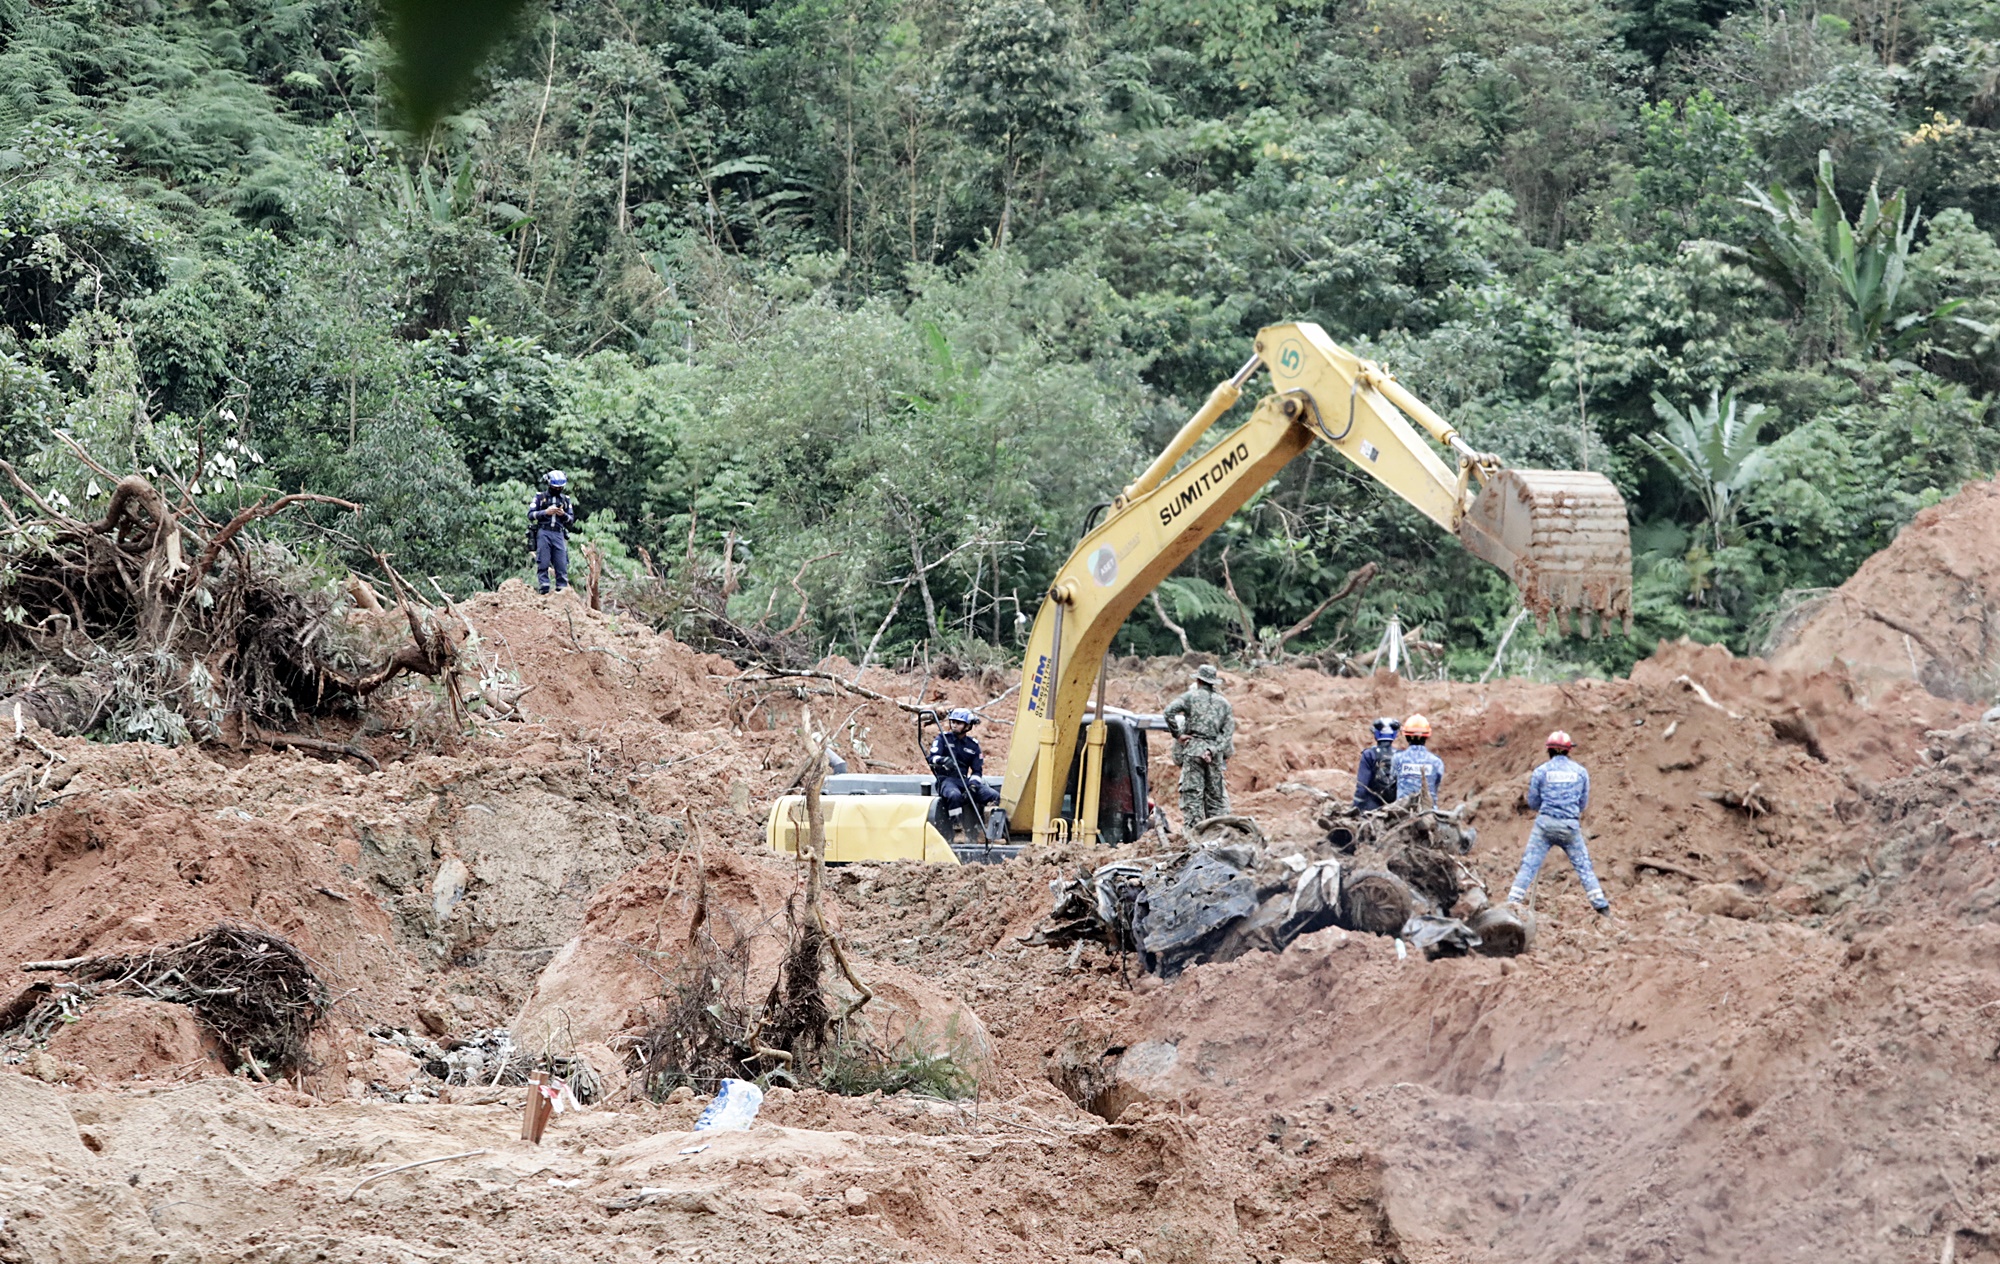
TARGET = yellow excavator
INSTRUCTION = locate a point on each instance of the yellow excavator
(1077, 771)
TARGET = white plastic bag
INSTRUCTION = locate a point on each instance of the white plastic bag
(735, 1105)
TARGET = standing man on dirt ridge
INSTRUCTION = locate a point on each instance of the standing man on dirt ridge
(1204, 728)
(1416, 767)
(1559, 792)
(549, 521)
(1375, 779)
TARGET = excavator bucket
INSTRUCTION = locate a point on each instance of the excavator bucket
(1563, 537)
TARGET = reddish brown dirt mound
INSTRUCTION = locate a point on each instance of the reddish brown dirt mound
(635, 941)
(1778, 1050)
(131, 1038)
(607, 985)
(1921, 609)
(125, 870)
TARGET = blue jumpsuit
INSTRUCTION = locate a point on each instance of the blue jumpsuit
(551, 538)
(1417, 769)
(1559, 792)
(957, 763)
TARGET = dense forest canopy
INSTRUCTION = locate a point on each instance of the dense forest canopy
(824, 293)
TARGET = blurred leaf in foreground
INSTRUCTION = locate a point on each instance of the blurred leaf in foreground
(440, 45)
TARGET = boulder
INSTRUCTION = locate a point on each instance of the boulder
(1724, 899)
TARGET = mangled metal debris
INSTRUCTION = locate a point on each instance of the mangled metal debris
(1400, 871)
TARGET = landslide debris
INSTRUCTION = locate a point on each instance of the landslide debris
(257, 994)
(163, 624)
(1924, 609)
(1779, 1074)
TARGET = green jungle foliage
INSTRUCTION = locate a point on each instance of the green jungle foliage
(820, 292)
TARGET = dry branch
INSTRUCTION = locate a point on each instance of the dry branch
(1668, 866)
(1160, 609)
(244, 518)
(1356, 580)
(313, 743)
(116, 598)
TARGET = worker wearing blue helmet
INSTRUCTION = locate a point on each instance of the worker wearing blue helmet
(958, 764)
(549, 521)
(1375, 779)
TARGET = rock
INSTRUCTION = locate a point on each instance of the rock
(1795, 900)
(694, 1202)
(391, 1067)
(448, 887)
(50, 1069)
(1723, 899)
(1140, 1075)
(856, 1199)
(782, 1202)
(680, 1096)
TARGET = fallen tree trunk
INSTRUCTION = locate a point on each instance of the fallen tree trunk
(66, 706)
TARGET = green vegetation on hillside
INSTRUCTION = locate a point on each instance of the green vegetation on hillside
(815, 292)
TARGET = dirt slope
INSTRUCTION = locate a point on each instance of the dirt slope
(1921, 609)
(1783, 1056)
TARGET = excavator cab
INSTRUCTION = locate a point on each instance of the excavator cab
(1124, 803)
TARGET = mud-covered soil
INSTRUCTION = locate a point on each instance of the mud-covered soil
(1922, 609)
(1781, 1047)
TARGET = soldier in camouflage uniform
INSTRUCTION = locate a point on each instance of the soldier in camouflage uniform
(1204, 729)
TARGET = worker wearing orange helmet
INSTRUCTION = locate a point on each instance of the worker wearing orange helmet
(1559, 792)
(1417, 768)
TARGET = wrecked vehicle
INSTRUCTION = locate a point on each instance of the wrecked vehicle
(1398, 871)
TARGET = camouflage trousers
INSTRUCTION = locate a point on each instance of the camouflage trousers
(1203, 793)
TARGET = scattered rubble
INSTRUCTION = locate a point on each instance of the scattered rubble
(1779, 1049)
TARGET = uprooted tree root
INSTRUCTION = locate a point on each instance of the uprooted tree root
(703, 1030)
(169, 623)
(257, 992)
(712, 1030)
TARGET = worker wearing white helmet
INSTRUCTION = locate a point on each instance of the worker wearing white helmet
(549, 521)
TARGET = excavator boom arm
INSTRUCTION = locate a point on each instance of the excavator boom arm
(1560, 536)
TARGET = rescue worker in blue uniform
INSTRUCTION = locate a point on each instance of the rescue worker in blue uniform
(1417, 769)
(957, 764)
(549, 521)
(1375, 780)
(1559, 792)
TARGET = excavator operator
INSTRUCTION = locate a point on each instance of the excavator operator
(958, 763)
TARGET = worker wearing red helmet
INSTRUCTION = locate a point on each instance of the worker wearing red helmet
(1559, 792)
